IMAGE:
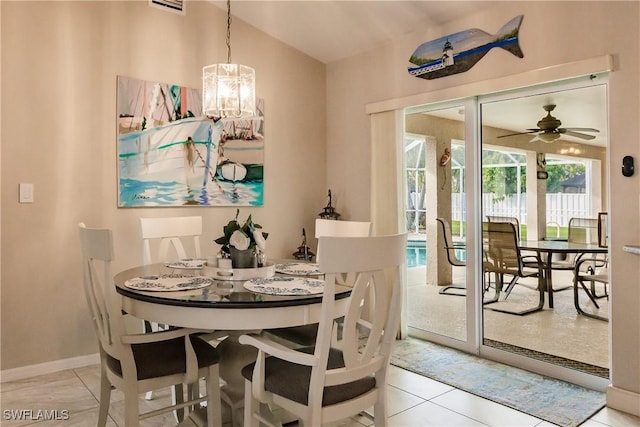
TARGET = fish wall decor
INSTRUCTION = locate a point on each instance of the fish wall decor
(457, 53)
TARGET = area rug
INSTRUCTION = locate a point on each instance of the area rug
(552, 400)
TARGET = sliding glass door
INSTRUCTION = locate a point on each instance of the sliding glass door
(542, 156)
(436, 217)
(533, 157)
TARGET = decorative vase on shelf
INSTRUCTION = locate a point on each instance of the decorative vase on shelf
(242, 259)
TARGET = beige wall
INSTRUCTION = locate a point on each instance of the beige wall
(59, 66)
(573, 31)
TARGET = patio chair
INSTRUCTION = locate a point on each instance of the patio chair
(511, 219)
(581, 230)
(530, 259)
(502, 257)
(603, 229)
(593, 269)
(450, 249)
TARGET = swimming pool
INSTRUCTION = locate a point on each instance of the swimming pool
(417, 253)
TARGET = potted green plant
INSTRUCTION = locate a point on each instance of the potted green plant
(243, 242)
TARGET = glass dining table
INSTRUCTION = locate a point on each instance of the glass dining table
(546, 249)
(227, 306)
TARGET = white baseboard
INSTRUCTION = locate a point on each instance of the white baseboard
(623, 400)
(48, 367)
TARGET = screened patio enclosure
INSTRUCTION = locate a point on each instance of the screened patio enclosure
(504, 190)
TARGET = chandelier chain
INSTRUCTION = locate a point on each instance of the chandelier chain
(228, 90)
(228, 31)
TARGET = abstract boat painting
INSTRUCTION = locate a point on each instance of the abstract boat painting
(457, 53)
(169, 154)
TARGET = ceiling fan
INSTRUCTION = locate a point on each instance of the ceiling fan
(549, 128)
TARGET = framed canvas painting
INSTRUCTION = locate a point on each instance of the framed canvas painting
(170, 155)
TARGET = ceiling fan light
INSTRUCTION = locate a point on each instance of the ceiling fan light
(549, 137)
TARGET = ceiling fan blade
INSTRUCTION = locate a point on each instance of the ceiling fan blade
(577, 134)
(520, 133)
(582, 129)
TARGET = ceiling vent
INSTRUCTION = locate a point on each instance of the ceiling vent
(175, 6)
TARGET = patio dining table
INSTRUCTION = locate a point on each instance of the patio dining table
(546, 248)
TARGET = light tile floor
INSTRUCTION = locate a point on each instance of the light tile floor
(413, 401)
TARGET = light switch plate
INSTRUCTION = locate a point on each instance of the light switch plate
(26, 193)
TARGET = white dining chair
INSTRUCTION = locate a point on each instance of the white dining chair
(170, 236)
(170, 233)
(136, 363)
(328, 227)
(306, 335)
(322, 384)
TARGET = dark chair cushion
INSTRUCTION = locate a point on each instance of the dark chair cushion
(303, 335)
(163, 358)
(291, 380)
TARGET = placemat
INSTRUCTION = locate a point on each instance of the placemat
(285, 286)
(168, 282)
(298, 268)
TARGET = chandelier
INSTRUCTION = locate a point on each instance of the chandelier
(228, 90)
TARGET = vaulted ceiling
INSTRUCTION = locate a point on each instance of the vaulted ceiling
(330, 30)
